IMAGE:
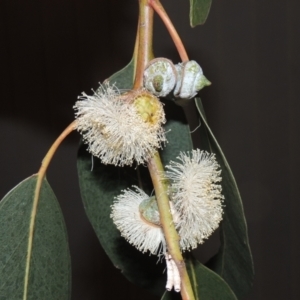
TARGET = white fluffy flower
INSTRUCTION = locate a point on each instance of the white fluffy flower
(120, 128)
(196, 194)
(127, 216)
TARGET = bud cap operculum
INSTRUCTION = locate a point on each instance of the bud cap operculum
(160, 77)
(190, 80)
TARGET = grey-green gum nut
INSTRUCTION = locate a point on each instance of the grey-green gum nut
(149, 210)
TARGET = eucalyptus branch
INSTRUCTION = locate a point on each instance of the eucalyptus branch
(155, 165)
(157, 6)
(121, 123)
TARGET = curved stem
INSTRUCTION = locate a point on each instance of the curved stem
(157, 6)
(53, 148)
(40, 176)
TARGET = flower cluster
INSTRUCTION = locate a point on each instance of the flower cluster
(123, 128)
(120, 128)
(196, 205)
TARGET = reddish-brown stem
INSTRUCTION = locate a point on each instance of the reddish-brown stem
(170, 27)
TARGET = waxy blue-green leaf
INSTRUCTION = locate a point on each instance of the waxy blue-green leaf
(123, 79)
(177, 132)
(233, 262)
(101, 183)
(206, 284)
(49, 271)
(199, 10)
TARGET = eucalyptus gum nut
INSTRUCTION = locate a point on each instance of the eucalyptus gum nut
(149, 210)
(160, 77)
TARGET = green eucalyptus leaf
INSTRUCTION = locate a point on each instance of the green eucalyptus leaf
(233, 262)
(199, 10)
(177, 132)
(123, 79)
(206, 284)
(101, 183)
(49, 271)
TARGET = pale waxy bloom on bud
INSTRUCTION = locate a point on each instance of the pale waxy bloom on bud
(160, 76)
(190, 80)
(196, 194)
(185, 79)
(120, 128)
(136, 216)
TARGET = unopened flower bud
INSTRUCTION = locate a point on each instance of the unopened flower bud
(190, 80)
(160, 77)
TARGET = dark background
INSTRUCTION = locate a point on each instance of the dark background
(51, 51)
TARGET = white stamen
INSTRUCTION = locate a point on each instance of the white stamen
(196, 194)
(113, 129)
(133, 227)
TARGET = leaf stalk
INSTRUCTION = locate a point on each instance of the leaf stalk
(157, 6)
(40, 176)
